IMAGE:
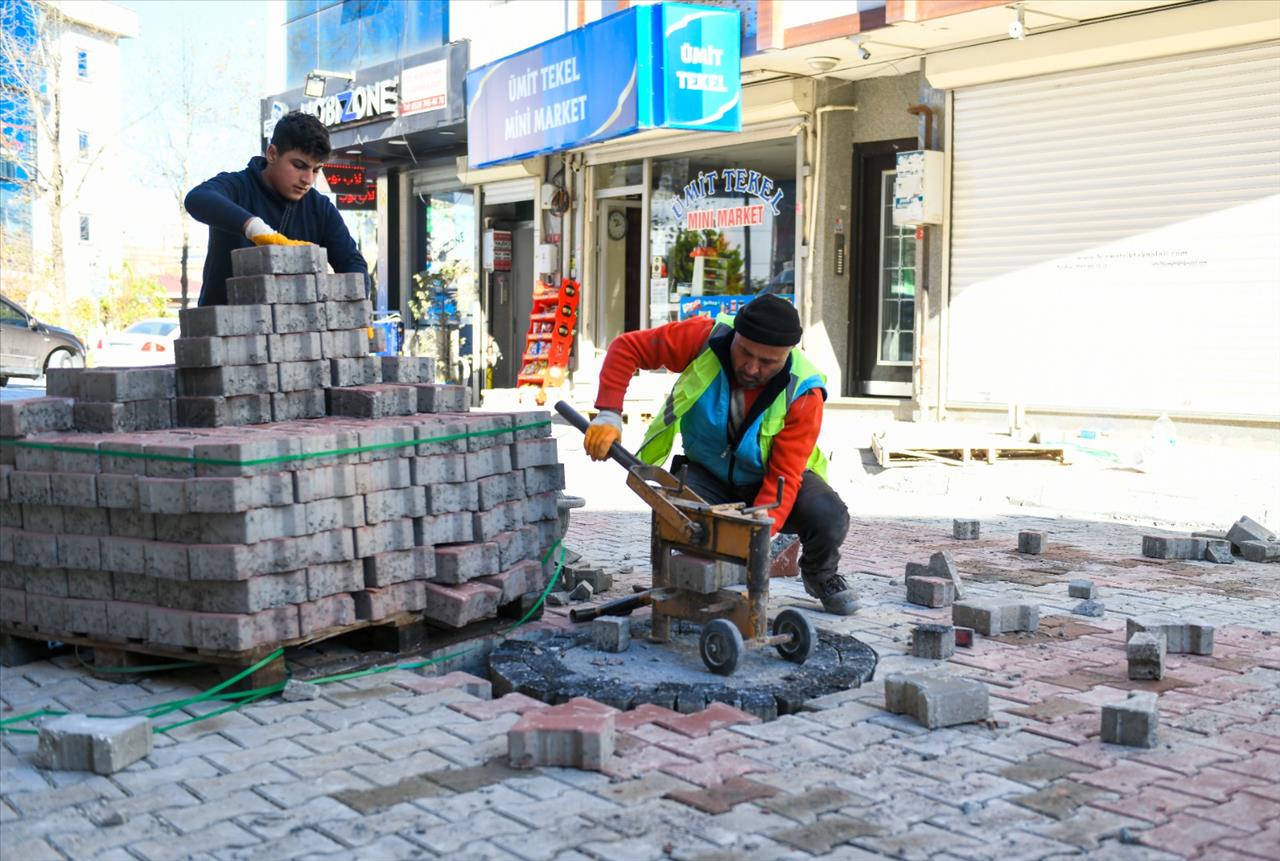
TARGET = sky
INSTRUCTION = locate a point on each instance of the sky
(224, 45)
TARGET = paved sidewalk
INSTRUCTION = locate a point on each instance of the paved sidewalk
(388, 766)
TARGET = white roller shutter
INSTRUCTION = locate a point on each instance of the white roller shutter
(510, 191)
(1115, 238)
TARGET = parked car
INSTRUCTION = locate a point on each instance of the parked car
(147, 342)
(28, 347)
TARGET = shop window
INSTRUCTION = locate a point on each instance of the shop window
(301, 50)
(897, 282)
(82, 141)
(722, 229)
(295, 9)
(82, 63)
(445, 289)
(338, 39)
(619, 175)
(84, 228)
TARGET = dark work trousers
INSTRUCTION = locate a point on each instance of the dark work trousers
(819, 517)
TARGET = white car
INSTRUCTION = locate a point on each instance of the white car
(147, 342)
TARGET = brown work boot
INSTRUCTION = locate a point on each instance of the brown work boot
(835, 594)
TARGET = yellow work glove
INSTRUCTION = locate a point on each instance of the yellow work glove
(605, 429)
(259, 232)
(277, 239)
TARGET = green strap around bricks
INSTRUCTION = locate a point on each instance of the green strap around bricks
(309, 455)
(243, 698)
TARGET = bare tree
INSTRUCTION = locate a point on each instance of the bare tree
(192, 107)
(31, 60)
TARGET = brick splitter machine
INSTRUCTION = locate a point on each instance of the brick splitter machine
(732, 622)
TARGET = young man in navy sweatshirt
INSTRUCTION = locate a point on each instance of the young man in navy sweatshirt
(272, 202)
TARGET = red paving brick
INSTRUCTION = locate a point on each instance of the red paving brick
(1262, 764)
(646, 759)
(1092, 753)
(1126, 778)
(711, 746)
(714, 717)
(1215, 784)
(1244, 811)
(723, 798)
(1186, 835)
(1264, 844)
(1186, 758)
(709, 773)
(576, 734)
(643, 714)
(1153, 804)
(517, 703)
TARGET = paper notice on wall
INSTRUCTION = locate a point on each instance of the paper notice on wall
(424, 88)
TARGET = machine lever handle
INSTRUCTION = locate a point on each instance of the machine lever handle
(578, 420)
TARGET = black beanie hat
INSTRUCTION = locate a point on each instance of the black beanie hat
(769, 320)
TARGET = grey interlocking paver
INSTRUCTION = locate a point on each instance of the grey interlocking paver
(89, 844)
(142, 780)
(298, 843)
(169, 752)
(193, 818)
(217, 788)
(448, 838)
(546, 843)
(385, 773)
(223, 835)
(362, 830)
(460, 807)
(35, 850)
(36, 804)
(295, 793)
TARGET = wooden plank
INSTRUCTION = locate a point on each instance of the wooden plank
(888, 454)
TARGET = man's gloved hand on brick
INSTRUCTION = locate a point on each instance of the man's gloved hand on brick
(259, 232)
(605, 429)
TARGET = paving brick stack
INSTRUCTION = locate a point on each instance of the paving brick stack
(289, 332)
(123, 537)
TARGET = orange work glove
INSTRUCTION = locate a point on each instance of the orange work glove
(278, 239)
(605, 429)
(260, 233)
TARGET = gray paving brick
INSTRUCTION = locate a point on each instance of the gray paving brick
(213, 789)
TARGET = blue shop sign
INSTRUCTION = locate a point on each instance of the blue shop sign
(670, 65)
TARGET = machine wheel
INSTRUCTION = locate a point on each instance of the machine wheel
(803, 636)
(720, 646)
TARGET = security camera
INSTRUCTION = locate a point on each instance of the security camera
(863, 53)
(1018, 28)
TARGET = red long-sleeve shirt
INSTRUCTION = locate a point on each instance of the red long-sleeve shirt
(673, 347)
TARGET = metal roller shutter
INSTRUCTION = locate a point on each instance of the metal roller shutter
(1115, 238)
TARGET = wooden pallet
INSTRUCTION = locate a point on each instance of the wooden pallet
(402, 632)
(891, 453)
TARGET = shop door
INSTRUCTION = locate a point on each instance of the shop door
(618, 269)
(882, 323)
(510, 298)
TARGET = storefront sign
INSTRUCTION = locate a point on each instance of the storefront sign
(701, 80)
(669, 65)
(731, 180)
(361, 198)
(710, 306)
(424, 88)
(359, 104)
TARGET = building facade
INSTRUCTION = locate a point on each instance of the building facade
(1060, 206)
(61, 112)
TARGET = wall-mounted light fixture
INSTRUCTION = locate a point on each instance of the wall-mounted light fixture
(822, 64)
(313, 88)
